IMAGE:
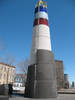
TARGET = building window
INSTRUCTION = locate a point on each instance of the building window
(5, 69)
(1, 67)
(21, 80)
(8, 70)
(4, 76)
(17, 85)
(0, 75)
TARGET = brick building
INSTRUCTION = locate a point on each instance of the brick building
(59, 74)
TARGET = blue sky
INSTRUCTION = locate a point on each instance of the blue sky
(16, 24)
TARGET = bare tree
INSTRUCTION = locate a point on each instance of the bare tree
(2, 47)
(23, 65)
(10, 59)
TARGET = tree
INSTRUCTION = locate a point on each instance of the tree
(2, 47)
(23, 65)
(10, 59)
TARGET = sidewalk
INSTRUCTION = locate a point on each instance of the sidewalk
(67, 91)
(60, 97)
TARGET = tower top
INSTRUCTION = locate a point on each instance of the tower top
(42, 3)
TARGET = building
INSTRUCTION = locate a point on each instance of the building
(7, 73)
(66, 78)
(66, 81)
(19, 82)
(41, 77)
(73, 84)
(59, 74)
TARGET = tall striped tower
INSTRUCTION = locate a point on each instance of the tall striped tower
(41, 77)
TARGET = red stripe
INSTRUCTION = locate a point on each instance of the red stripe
(41, 21)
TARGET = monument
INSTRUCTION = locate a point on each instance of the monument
(41, 77)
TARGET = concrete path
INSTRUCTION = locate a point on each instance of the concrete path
(67, 91)
(60, 97)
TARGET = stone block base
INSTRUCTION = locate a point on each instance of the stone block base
(41, 78)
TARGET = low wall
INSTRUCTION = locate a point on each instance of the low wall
(4, 90)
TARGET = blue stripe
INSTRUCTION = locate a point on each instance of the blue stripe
(42, 9)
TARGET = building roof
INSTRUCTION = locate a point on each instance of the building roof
(20, 78)
(21, 75)
(58, 61)
(7, 64)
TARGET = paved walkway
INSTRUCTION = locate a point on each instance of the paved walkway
(60, 97)
(67, 91)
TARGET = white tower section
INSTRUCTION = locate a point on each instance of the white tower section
(41, 33)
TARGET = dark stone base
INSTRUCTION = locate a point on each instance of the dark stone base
(4, 98)
(41, 78)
